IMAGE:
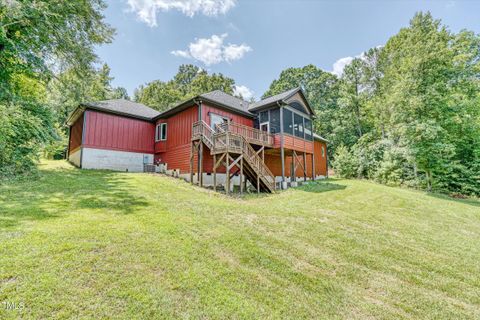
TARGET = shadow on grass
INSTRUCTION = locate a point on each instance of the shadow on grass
(320, 186)
(471, 202)
(58, 192)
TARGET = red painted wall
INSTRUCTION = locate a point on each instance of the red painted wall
(274, 162)
(107, 131)
(76, 135)
(320, 161)
(207, 109)
(176, 150)
(293, 143)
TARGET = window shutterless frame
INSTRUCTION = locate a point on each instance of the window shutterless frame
(265, 125)
(161, 132)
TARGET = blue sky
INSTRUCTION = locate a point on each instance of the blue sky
(252, 41)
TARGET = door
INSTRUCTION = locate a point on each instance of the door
(215, 120)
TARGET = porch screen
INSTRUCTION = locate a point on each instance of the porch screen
(308, 129)
(275, 120)
(298, 125)
(287, 121)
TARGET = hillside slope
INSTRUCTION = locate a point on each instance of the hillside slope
(98, 244)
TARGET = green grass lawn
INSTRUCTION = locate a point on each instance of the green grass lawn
(99, 244)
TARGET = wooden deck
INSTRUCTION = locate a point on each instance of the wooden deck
(231, 146)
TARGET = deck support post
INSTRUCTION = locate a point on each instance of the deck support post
(258, 184)
(304, 167)
(227, 174)
(200, 165)
(313, 166)
(294, 161)
(241, 175)
(282, 151)
(214, 172)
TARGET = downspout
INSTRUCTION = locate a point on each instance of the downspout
(282, 151)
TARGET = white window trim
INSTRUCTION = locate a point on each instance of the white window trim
(158, 132)
(268, 126)
(212, 114)
(161, 130)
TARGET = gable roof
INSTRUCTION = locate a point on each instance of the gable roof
(279, 98)
(226, 99)
(124, 107)
(216, 97)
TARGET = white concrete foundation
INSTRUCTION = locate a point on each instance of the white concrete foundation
(115, 160)
(74, 158)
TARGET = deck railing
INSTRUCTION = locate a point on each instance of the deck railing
(252, 135)
(227, 141)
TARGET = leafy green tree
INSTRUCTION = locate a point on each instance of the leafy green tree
(187, 83)
(321, 89)
(38, 36)
(37, 39)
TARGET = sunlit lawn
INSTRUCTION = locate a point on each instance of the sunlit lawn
(98, 244)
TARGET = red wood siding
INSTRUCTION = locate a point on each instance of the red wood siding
(76, 135)
(293, 143)
(106, 131)
(232, 116)
(175, 151)
(274, 162)
(320, 161)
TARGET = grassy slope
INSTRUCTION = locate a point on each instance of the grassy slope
(116, 245)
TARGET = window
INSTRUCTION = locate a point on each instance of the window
(298, 125)
(216, 119)
(323, 152)
(264, 116)
(265, 126)
(287, 121)
(161, 132)
(308, 129)
(275, 120)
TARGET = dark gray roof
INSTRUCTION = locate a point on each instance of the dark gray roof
(124, 107)
(227, 100)
(273, 99)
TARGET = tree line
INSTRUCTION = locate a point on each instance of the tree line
(407, 113)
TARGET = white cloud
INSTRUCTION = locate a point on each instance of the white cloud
(234, 52)
(146, 10)
(340, 64)
(181, 53)
(212, 50)
(243, 91)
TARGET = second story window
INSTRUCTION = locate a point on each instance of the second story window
(161, 132)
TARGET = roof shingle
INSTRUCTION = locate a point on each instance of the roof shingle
(124, 107)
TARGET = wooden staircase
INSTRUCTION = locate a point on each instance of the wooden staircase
(233, 149)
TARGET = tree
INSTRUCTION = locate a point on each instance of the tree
(38, 36)
(189, 81)
(321, 89)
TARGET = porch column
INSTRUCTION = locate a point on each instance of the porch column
(282, 151)
(313, 166)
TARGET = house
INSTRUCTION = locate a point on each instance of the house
(269, 143)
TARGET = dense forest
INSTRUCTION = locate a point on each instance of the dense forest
(406, 113)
